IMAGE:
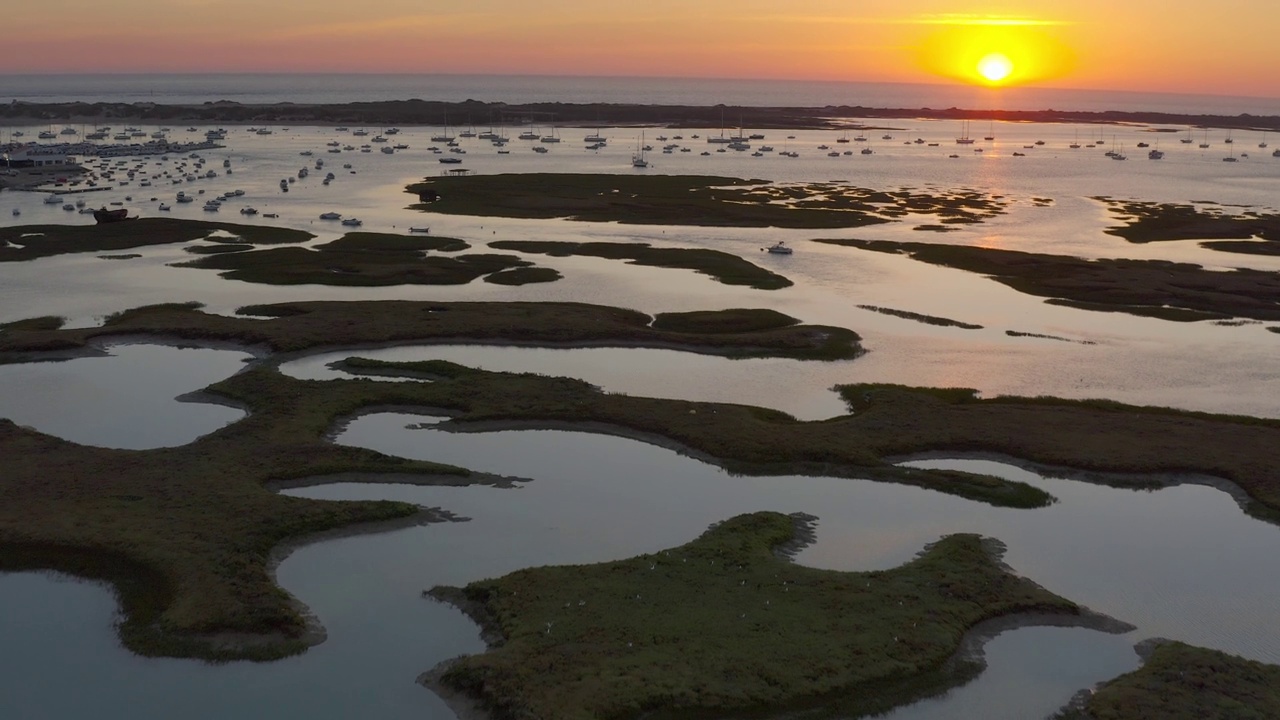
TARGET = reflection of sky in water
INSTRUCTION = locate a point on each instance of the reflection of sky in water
(1197, 366)
(125, 400)
(1183, 563)
(1147, 558)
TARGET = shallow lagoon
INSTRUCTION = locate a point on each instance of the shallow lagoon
(1136, 555)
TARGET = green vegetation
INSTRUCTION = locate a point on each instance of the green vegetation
(724, 625)
(28, 242)
(1157, 288)
(367, 259)
(926, 319)
(1181, 682)
(734, 320)
(693, 200)
(185, 533)
(724, 267)
(1155, 222)
(292, 327)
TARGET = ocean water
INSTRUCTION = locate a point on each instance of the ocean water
(345, 88)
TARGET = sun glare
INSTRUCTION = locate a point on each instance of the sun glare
(995, 67)
(995, 55)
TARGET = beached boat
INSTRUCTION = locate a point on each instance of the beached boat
(104, 216)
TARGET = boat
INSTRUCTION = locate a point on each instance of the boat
(1186, 140)
(352, 222)
(964, 139)
(595, 137)
(52, 200)
(637, 158)
(104, 216)
(68, 207)
(248, 211)
(455, 161)
(1275, 153)
(1155, 154)
(16, 212)
(779, 249)
(163, 206)
(331, 216)
(843, 138)
(529, 135)
(991, 132)
(419, 229)
(47, 135)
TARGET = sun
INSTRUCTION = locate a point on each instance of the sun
(995, 67)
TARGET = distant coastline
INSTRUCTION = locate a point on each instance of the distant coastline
(436, 113)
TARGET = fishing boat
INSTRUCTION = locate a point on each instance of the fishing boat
(779, 248)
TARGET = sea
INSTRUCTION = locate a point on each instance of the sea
(346, 88)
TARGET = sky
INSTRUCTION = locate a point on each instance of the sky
(1229, 47)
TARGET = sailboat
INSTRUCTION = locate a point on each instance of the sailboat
(444, 136)
(991, 132)
(1186, 140)
(965, 139)
(637, 158)
(1076, 144)
(1263, 144)
(1205, 144)
(1155, 153)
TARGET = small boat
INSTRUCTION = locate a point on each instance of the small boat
(270, 215)
(455, 161)
(52, 200)
(419, 229)
(352, 222)
(16, 212)
(779, 249)
(68, 206)
(331, 216)
(163, 207)
(104, 215)
(248, 211)
(1155, 154)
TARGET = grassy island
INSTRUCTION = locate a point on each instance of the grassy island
(724, 625)
(694, 200)
(1154, 288)
(724, 267)
(1146, 222)
(185, 533)
(366, 259)
(290, 327)
(28, 242)
(1182, 682)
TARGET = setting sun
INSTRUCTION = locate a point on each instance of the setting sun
(997, 51)
(995, 67)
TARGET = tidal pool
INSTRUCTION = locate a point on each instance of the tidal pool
(127, 399)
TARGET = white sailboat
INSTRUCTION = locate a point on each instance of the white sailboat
(965, 139)
(638, 159)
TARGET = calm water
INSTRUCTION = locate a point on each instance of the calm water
(1159, 560)
(272, 88)
(125, 400)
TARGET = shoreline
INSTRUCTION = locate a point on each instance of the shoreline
(964, 665)
(428, 113)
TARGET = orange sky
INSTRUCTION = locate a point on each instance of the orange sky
(1144, 45)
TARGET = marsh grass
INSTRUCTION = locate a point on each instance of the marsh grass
(723, 625)
(723, 267)
(365, 259)
(1182, 682)
(49, 240)
(291, 327)
(694, 200)
(1159, 222)
(1181, 292)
